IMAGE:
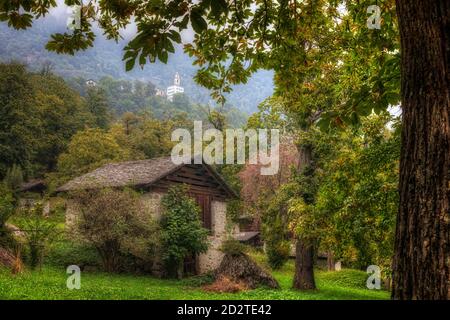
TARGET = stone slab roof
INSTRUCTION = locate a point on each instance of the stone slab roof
(133, 174)
(130, 173)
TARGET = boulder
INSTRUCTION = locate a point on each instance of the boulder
(242, 270)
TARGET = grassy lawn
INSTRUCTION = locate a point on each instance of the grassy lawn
(50, 283)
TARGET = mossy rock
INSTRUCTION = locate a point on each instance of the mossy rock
(240, 268)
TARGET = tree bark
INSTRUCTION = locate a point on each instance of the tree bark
(304, 250)
(304, 266)
(421, 261)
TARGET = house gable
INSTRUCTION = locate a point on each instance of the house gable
(156, 173)
(200, 178)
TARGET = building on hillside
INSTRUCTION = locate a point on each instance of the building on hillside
(175, 88)
(31, 193)
(91, 83)
(160, 93)
(153, 177)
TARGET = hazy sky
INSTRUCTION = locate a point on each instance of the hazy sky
(63, 12)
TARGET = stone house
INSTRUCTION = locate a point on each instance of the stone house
(153, 177)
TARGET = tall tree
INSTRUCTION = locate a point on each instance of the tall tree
(422, 245)
(98, 105)
(61, 113)
(88, 150)
(18, 118)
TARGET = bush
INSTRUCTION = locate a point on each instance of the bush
(232, 247)
(14, 177)
(116, 224)
(275, 231)
(39, 233)
(65, 253)
(277, 253)
(234, 209)
(6, 204)
(182, 232)
(7, 208)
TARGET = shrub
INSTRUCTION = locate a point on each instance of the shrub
(232, 247)
(39, 232)
(234, 209)
(6, 204)
(277, 253)
(116, 224)
(14, 177)
(275, 229)
(182, 232)
(7, 208)
(65, 253)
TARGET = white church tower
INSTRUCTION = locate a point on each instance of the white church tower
(176, 88)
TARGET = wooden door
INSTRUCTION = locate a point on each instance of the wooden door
(204, 202)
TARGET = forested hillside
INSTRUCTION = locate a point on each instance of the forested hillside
(140, 96)
(105, 59)
(42, 116)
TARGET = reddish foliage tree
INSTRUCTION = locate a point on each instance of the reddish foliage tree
(258, 188)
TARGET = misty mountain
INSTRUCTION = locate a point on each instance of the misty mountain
(105, 59)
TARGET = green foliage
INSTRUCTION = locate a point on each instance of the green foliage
(8, 204)
(88, 150)
(118, 226)
(13, 178)
(348, 62)
(275, 231)
(331, 70)
(105, 60)
(65, 253)
(61, 113)
(98, 105)
(38, 115)
(124, 95)
(139, 97)
(278, 252)
(146, 135)
(232, 247)
(39, 233)
(7, 208)
(358, 197)
(234, 210)
(286, 213)
(18, 118)
(182, 233)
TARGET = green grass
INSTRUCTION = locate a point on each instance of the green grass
(50, 283)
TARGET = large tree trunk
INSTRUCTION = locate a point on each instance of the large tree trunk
(304, 250)
(421, 262)
(304, 266)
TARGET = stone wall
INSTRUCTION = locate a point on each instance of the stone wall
(72, 212)
(151, 202)
(212, 258)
